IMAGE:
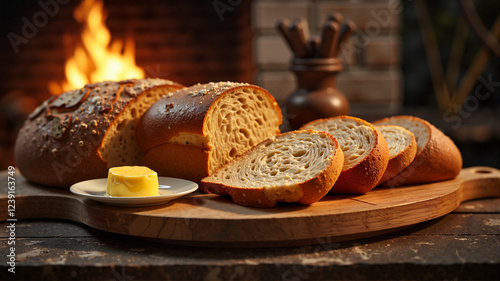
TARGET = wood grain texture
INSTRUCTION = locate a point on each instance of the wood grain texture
(210, 220)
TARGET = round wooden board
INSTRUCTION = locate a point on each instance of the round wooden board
(214, 221)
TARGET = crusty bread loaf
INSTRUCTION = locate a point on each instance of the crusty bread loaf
(298, 166)
(79, 134)
(195, 130)
(402, 149)
(437, 159)
(366, 153)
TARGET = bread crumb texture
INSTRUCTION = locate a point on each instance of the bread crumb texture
(355, 136)
(418, 127)
(397, 137)
(279, 165)
(237, 121)
(118, 146)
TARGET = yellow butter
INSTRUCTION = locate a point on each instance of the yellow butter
(132, 181)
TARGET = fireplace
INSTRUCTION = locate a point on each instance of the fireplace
(186, 41)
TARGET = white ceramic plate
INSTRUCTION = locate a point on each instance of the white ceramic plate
(170, 189)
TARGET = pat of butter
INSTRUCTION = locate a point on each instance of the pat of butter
(132, 181)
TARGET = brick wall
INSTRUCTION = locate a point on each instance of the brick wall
(182, 40)
(371, 79)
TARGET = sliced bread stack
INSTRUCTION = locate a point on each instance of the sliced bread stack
(366, 153)
(402, 149)
(298, 166)
(437, 157)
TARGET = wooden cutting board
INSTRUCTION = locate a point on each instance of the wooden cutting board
(213, 221)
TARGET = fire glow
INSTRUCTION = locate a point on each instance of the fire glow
(96, 58)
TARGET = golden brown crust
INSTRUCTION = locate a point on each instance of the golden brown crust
(399, 162)
(439, 160)
(250, 197)
(165, 159)
(58, 143)
(313, 189)
(365, 175)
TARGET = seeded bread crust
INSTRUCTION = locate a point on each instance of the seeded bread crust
(367, 172)
(438, 160)
(175, 137)
(406, 151)
(61, 142)
(263, 195)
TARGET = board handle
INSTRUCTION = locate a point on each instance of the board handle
(479, 182)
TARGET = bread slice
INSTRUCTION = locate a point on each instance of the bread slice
(437, 158)
(298, 166)
(366, 153)
(402, 149)
(79, 134)
(194, 131)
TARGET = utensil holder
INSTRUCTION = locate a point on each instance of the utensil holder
(316, 66)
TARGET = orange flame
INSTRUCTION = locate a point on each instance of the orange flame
(97, 58)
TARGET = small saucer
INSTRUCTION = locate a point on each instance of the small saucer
(170, 189)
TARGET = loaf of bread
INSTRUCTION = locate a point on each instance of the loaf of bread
(79, 134)
(437, 158)
(402, 149)
(366, 153)
(298, 166)
(192, 132)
